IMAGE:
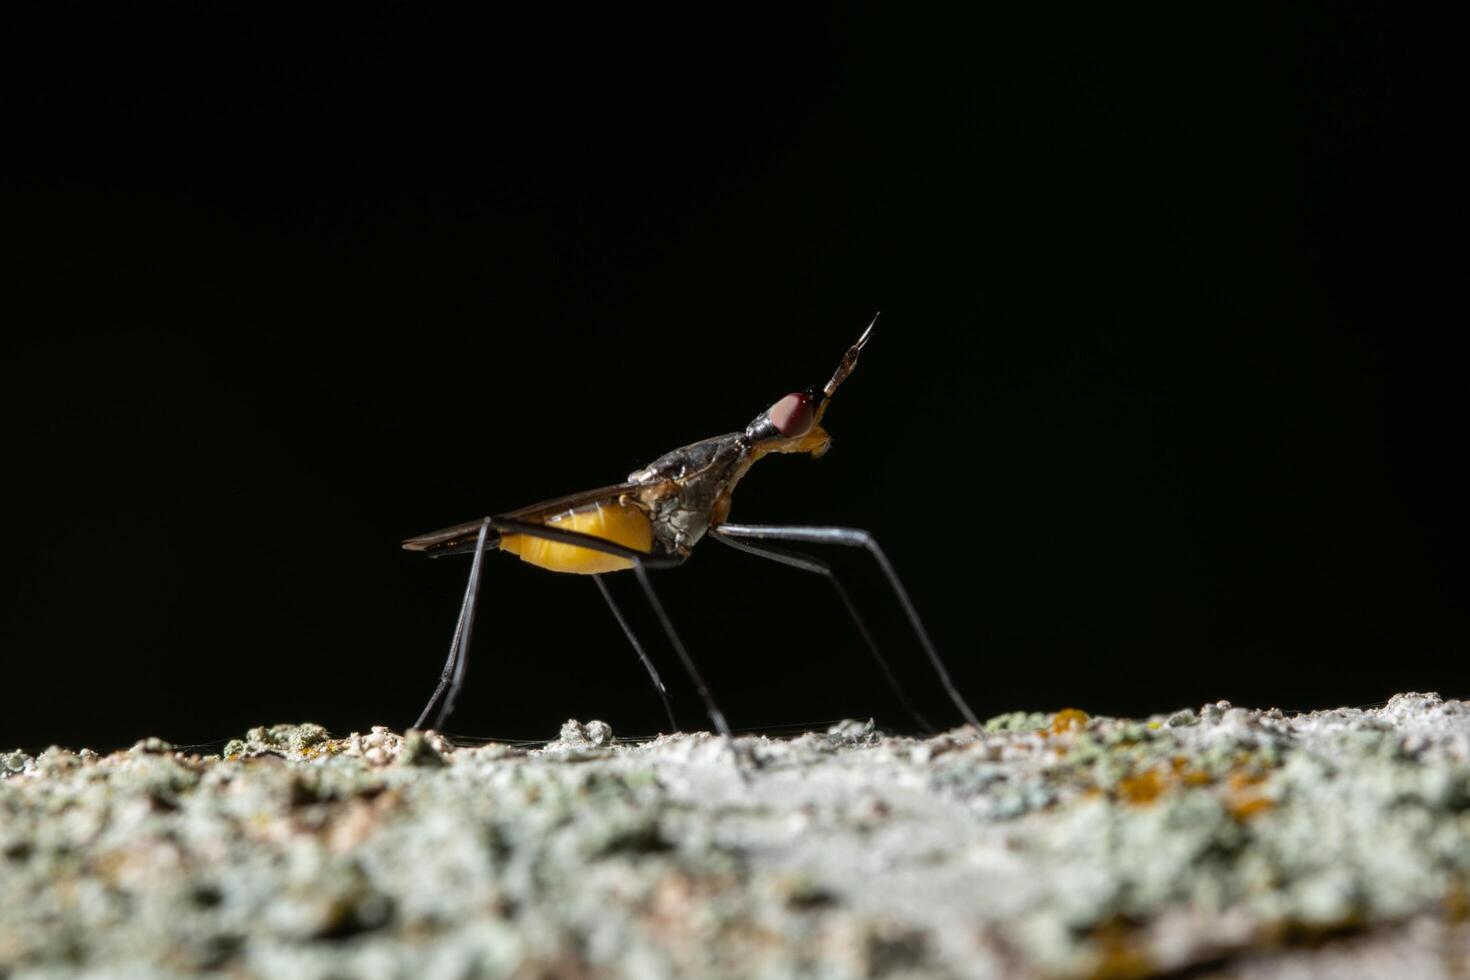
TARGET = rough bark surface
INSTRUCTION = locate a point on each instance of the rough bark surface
(1226, 841)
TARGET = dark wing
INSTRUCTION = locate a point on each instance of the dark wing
(456, 540)
(460, 539)
(572, 501)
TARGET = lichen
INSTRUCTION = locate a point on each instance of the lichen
(1056, 845)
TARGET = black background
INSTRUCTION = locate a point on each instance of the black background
(1163, 407)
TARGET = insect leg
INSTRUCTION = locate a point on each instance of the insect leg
(808, 563)
(452, 676)
(858, 538)
(448, 671)
(642, 562)
(716, 717)
(638, 647)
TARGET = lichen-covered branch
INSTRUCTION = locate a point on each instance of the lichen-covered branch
(1050, 845)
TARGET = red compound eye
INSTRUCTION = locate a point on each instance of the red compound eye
(793, 415)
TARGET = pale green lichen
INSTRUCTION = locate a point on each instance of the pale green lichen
(1017, 721)
(291, 740)
(1097, 847)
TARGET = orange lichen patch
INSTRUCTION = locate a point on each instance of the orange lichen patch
(1243, 797)
(1240, 792)
(1457, 902)
(1184, 772)
(1068, 720)
(1244, 809)
(1145, 787)
(1142, 788)
(1120, 954)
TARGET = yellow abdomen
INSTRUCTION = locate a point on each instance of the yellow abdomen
(623, 524)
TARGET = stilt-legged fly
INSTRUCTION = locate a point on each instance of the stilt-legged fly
(654, 520)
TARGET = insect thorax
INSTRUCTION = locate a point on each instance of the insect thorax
(682, 487)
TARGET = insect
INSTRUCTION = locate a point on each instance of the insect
(654, 519)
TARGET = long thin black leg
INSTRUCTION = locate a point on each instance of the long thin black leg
(809, 563)
(452, 677)
(459, 647)
(858, 538)
(641, 563)
(448, 670)
(716, 716)
(663, 692)
(462, 632)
